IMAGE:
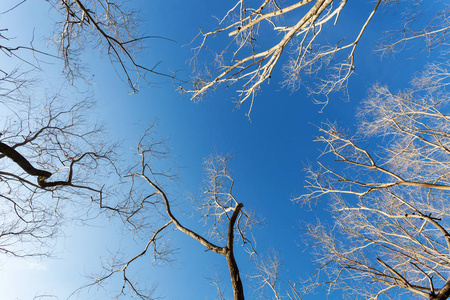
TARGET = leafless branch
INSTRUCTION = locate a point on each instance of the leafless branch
(394, 232)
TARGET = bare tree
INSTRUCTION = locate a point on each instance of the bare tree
(268, 274)
(391, 216)
(48, 150)
(422, 26)
(50, 157)
(148, 207)
(111, 26)
(251, 64)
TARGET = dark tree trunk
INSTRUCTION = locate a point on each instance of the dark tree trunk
(443, 294)
(25, 164)
(22, 161)
(236, 282)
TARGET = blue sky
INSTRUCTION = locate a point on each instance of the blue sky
(269, 152)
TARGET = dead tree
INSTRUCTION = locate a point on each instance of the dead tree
(295, 30)
(110, 26)
(389, 198)
(50, 157)
(252, 66)
(147, 202)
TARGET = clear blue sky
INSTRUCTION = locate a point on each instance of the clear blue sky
(270, 152)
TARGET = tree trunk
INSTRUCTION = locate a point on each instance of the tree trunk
(443, 294)
(25, 164)
(236, 282)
